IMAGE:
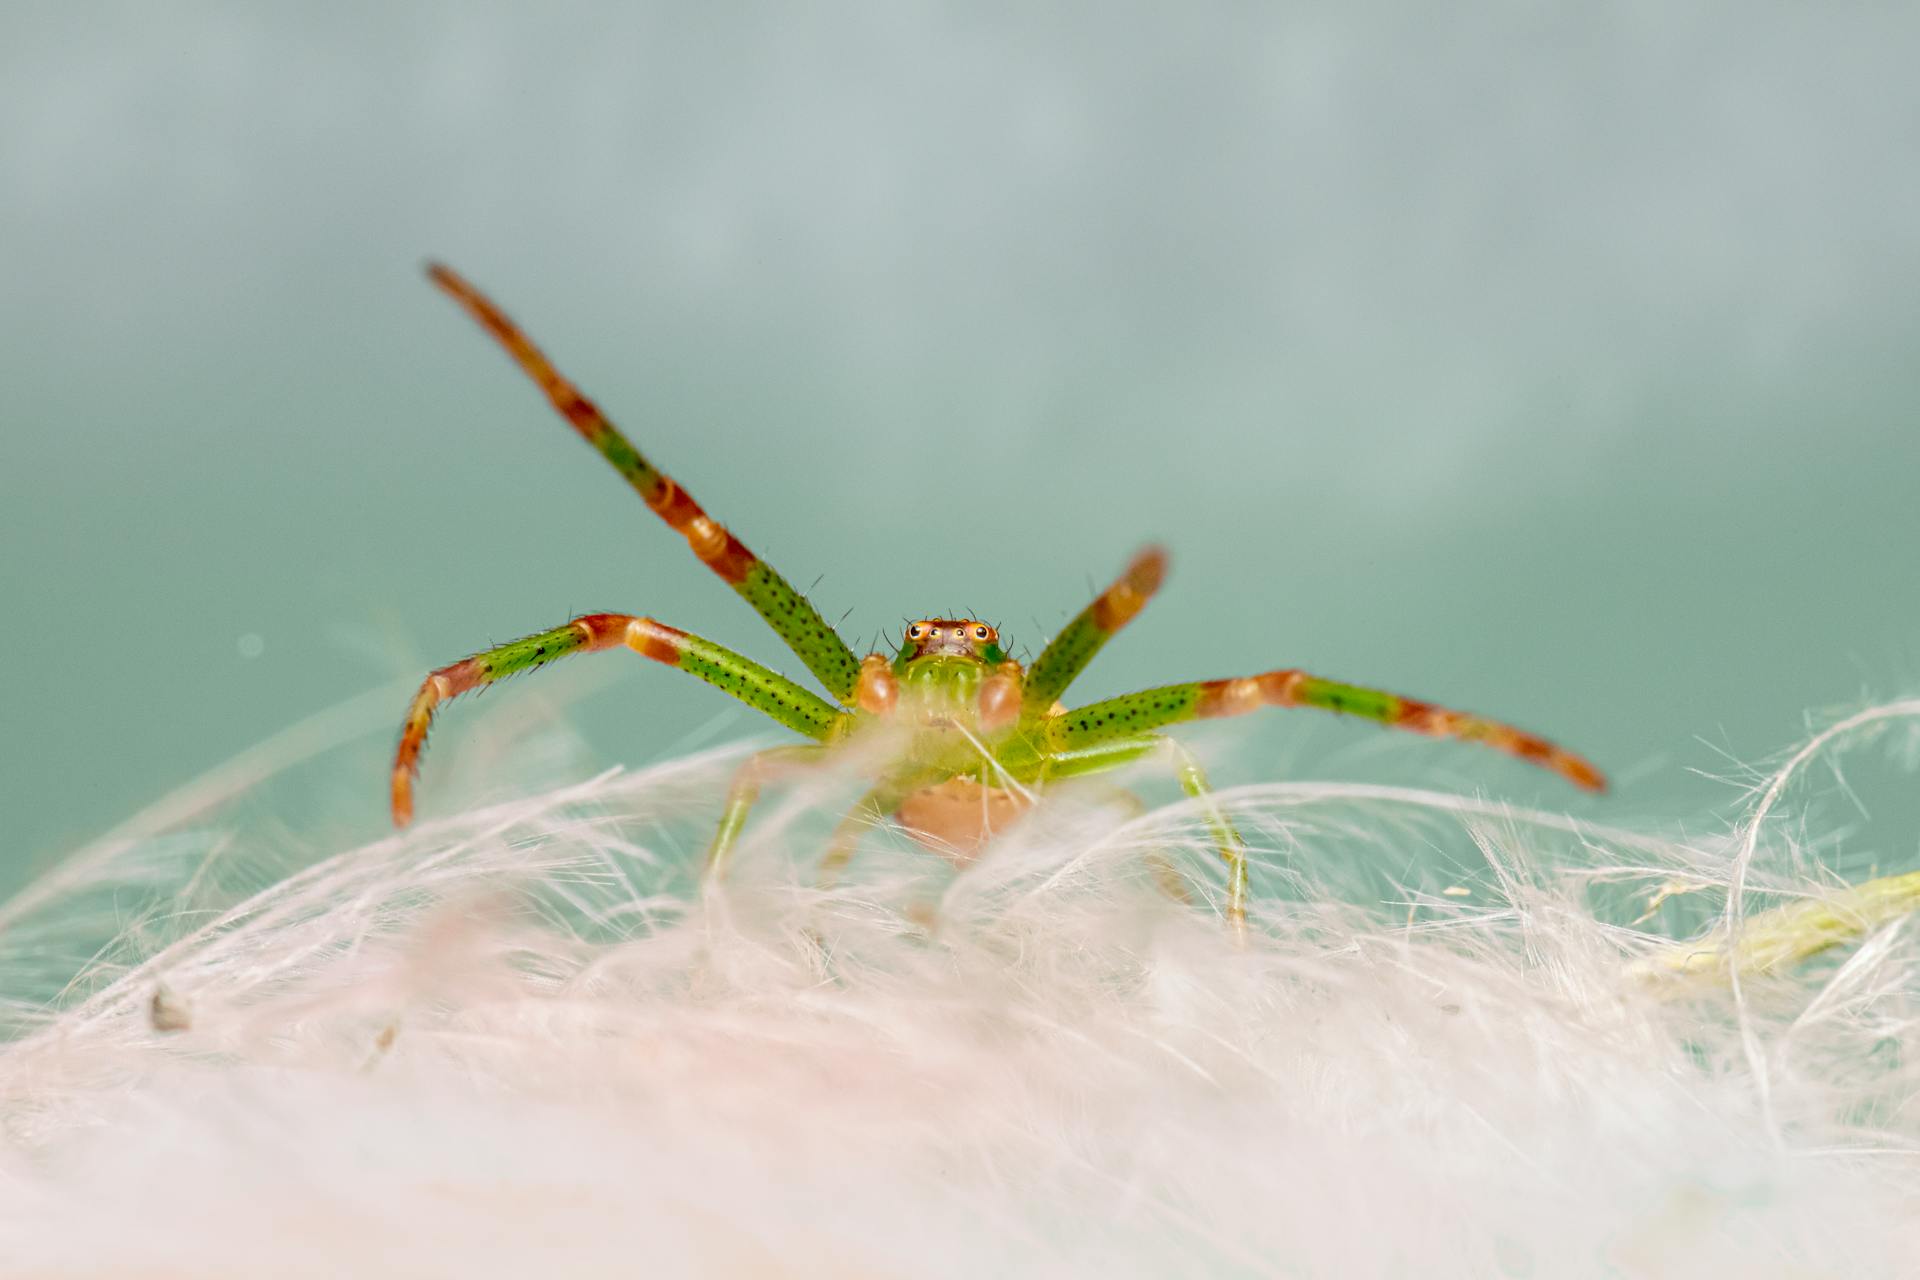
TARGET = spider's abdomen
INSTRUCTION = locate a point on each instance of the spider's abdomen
(959, 815)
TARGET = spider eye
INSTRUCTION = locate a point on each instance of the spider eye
(979, 633)
(914, 631)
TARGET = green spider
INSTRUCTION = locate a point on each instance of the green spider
(982, 734)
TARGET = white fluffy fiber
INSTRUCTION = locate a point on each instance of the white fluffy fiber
(518, 1041)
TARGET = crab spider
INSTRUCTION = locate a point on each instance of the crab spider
(982, 733)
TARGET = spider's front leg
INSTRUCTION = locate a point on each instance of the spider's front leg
(1137, 713)
(788, 612)
(765, 691)
(1069, 652)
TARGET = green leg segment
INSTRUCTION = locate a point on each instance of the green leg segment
(763, 690)
(788, 612)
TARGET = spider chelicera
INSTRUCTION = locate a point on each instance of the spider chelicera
(981, 734)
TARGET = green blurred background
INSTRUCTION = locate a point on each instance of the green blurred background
(1558, 365)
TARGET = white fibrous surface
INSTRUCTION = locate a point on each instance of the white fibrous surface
(519, 1039)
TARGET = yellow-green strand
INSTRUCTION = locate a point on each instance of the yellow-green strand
(1773, 941)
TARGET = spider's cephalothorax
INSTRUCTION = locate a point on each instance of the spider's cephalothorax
(983, 734)
(949, 673)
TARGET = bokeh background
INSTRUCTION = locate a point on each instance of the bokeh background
(1554, 364)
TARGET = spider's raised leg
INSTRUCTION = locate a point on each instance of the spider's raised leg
(1069, 652)
(1131, 714)
(788, 612)
(766, 691)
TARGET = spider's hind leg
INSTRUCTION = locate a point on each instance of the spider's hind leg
(869, 811)
(1116, 751)
(745, 790)
(1226, 837)
(1160, 864)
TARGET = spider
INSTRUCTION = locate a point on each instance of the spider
(980, 734)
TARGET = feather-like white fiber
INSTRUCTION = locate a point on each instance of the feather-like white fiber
(519, 1040)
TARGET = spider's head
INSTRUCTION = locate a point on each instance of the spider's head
(952, 638)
